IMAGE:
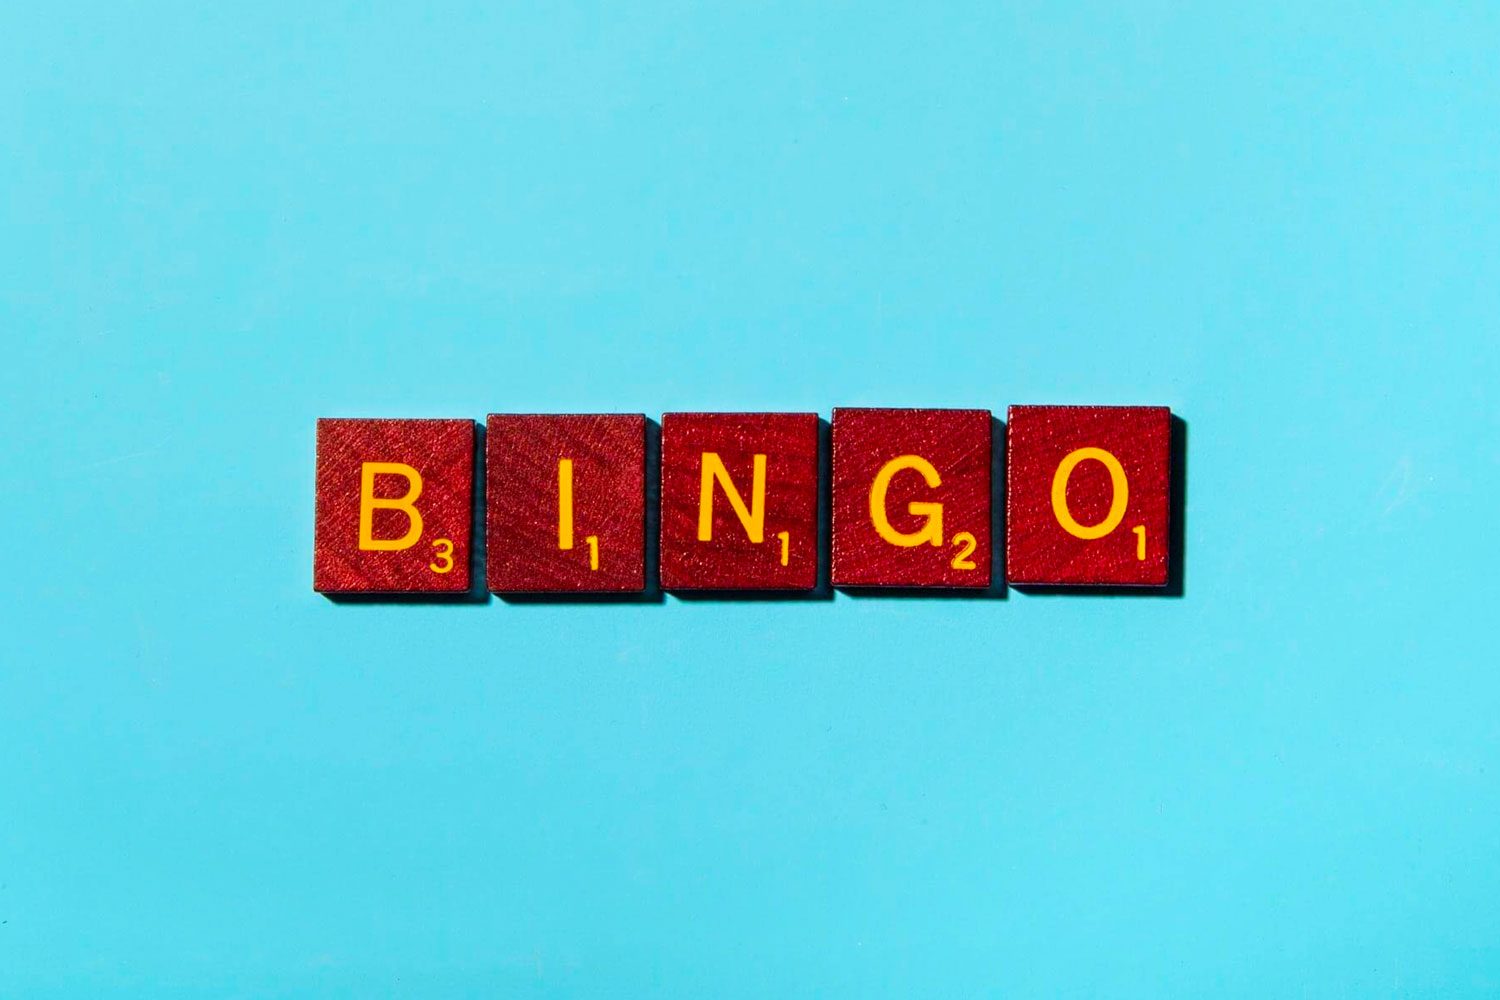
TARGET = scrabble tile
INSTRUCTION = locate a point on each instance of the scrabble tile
(394, 503)
(1088, 495)
(739, 501)
(911, 498)
(565, 502)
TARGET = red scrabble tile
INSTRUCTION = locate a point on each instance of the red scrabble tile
(565, 502)
(911, 498)
(739, 501)
(1088, 494)
(394, 502)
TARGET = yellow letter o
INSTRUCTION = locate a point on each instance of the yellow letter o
(1117, 505)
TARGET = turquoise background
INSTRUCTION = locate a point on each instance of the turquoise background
(219, 223)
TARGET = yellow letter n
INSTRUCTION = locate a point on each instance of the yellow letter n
(753, 519)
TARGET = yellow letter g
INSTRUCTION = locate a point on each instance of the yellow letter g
(932, 531)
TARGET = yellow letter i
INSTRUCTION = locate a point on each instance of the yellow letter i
(565, 503)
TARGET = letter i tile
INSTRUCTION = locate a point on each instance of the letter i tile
(565, 505)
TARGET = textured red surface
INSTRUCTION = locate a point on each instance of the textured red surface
(730, 561)
(1038, 548)
(608, 485)
(956, 443)
(442, 453)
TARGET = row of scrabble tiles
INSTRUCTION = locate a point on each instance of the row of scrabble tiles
(1087, 500)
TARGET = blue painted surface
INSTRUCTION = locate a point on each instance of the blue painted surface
(219, 224)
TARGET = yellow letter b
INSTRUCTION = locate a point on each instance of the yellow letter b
(369, 503)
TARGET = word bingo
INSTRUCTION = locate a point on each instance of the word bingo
(1086, 501)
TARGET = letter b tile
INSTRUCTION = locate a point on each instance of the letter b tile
(739, 501)
(911, 498)
(394, 502)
